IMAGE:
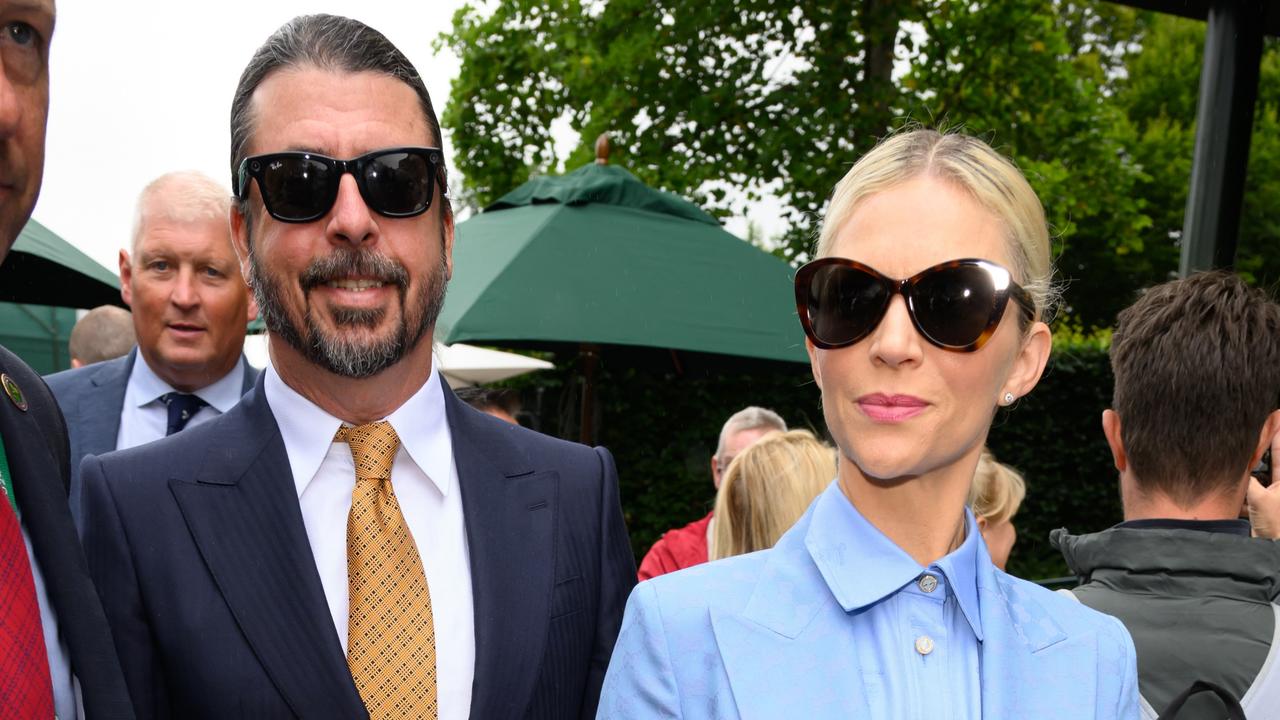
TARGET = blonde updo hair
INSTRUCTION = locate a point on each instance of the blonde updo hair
(767, 488)
(971, 165)
(997, 490)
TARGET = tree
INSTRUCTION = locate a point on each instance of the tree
(1158, 96)
(695, 96)
(724, 100)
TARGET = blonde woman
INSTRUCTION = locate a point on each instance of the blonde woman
(996, 495)
(924, 311)
(767, 488)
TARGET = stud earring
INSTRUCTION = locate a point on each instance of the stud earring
(1008, 398)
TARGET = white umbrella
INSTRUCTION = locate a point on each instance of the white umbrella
(460, 364)
(464, 364)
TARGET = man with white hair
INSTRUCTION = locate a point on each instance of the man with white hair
(190, 308)
(688, 546)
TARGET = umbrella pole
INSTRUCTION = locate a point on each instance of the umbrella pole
(590, 356)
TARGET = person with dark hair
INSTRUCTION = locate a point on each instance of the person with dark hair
(501, 403)
(1197, 375)
(56, 654)
(351, 540)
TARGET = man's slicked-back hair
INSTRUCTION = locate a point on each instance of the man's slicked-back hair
(333, 43)
(1197, 371)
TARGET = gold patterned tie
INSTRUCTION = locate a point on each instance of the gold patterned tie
(391, 641)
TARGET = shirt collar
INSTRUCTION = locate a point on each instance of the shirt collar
(862, 566)
(221, 395)
(1230, 527)
(307, 430)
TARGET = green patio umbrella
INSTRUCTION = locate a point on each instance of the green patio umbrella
(596, 258)
(44, 269)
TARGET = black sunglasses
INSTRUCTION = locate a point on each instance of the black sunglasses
(956, 305)
(299, 187)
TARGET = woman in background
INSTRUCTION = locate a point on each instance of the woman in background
(996, 495)
(767, 488)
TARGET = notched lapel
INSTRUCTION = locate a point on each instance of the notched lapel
(790, 634)
(756, 657)
(243, 513)
(510, 513)
(99, 411)
(1023, 644)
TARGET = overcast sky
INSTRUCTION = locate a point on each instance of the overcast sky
(143, 87)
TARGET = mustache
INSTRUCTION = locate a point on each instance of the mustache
(344, 263)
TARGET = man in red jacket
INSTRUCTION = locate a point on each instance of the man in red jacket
(687, 546)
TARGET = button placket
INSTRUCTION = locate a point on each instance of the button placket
(924, 644)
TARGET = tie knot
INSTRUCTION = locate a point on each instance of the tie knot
(373, 447)
(182, 406)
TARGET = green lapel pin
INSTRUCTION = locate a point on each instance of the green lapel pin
(14, 392)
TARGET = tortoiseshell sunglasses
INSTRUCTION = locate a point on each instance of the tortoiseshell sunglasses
(955, 305)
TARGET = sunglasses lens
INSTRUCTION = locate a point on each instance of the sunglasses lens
(296, 188)
(953, 305)
(399, 184)
(844, 304)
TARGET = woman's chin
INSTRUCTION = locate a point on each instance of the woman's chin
(886, 472)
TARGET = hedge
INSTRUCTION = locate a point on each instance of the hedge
(661, 420)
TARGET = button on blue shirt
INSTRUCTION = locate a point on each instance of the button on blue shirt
(917, 630)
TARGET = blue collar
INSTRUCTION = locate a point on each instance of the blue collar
(862, 566)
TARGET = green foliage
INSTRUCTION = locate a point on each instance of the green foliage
(1053, 436)
(694, 95)
(662, 426)
(1158, 98)
(1029, 77)
(1095, 101)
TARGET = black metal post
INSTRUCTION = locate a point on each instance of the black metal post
(1224, 124)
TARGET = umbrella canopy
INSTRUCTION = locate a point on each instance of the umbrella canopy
(596, 256)
(463, 364)
(44, 269)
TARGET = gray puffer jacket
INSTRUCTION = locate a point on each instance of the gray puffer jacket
(1198, 604)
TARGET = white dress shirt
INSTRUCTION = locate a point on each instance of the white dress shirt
(144, 418)
(65, 704)
(425, 479)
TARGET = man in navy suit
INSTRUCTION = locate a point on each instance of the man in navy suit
(351, 539)
(190, 310)
(56, 654)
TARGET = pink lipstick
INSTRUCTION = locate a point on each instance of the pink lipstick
(891, 408)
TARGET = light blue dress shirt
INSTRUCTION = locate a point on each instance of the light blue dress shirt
(836, 621)
(917, 630)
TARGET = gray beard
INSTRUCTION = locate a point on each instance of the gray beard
(343, 357)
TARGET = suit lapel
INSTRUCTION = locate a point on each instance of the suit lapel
(1023, 645)
(99, 411)
(244, 515)
(510, 511)
(42, 500)
(792, 632)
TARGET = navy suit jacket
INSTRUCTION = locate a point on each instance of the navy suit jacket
(35, 443)
(201, 557)
(92, 399)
